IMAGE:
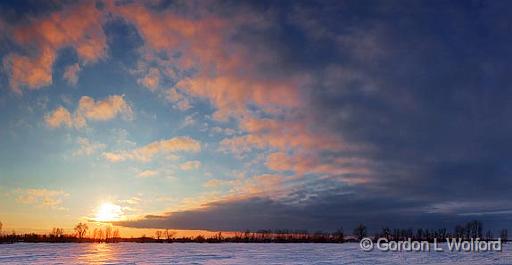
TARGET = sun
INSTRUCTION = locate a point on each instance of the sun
(108, 211)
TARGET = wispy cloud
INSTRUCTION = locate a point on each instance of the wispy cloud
(71, 73)
(190, 165)
(147, 152)
(41, 197)
(88, 147)
(147, 173)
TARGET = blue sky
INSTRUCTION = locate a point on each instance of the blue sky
(240, 115)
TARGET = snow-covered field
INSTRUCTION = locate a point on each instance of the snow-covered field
(191, 253)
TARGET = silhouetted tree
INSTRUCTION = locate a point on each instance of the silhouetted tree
(169, 234)
(360, 231)
(158, 234)
(339, 235)
(488, 235)
(474, 229)
(80, 230)
(108, 233)
(100, 234)
(57, 232)
(116, 235)
(200, 239)
(459, 231)
(442, 234)
(95, 234)
(504, 235)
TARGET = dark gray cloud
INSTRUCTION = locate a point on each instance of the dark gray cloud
(327, 212)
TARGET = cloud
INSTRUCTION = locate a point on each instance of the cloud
(190, 165)
(226, 131)
(105, 109)
(147, 152)
(350, 170)
(380, 120)
(90, 109)
(189, 121)
(147, 173)
(87, 147)
(40, 73)
(41, 197)
(152, 79)
(180, 100)
(78, 26)
(71, 73)
(228, 70)
(213, 183)
(60, 116)
(327, 212)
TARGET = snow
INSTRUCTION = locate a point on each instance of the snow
(193, 253)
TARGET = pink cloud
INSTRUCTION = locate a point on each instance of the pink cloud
(77, 26)
(228, 73)
(90, 109)
(349, 169)
(60, 116)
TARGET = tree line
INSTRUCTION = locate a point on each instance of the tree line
(107, 234)
(80, 233)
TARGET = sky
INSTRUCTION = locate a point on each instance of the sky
(235, 115)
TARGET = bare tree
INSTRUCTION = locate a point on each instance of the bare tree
(100, 234)
(116, 234)
(339, 235)
(1, 225)
(81, 230)
(158, 234)
(504, 235)
(360, 231)
(57, 232)
(169, 234)
(459, 231)
(108, 233)
(474, 229)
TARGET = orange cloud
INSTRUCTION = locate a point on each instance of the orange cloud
(60, 116)
(77, 26)
(147, 152)
(105, 109)
(348, 169)
(90, 109)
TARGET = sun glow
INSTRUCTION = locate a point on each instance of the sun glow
(108, 212)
